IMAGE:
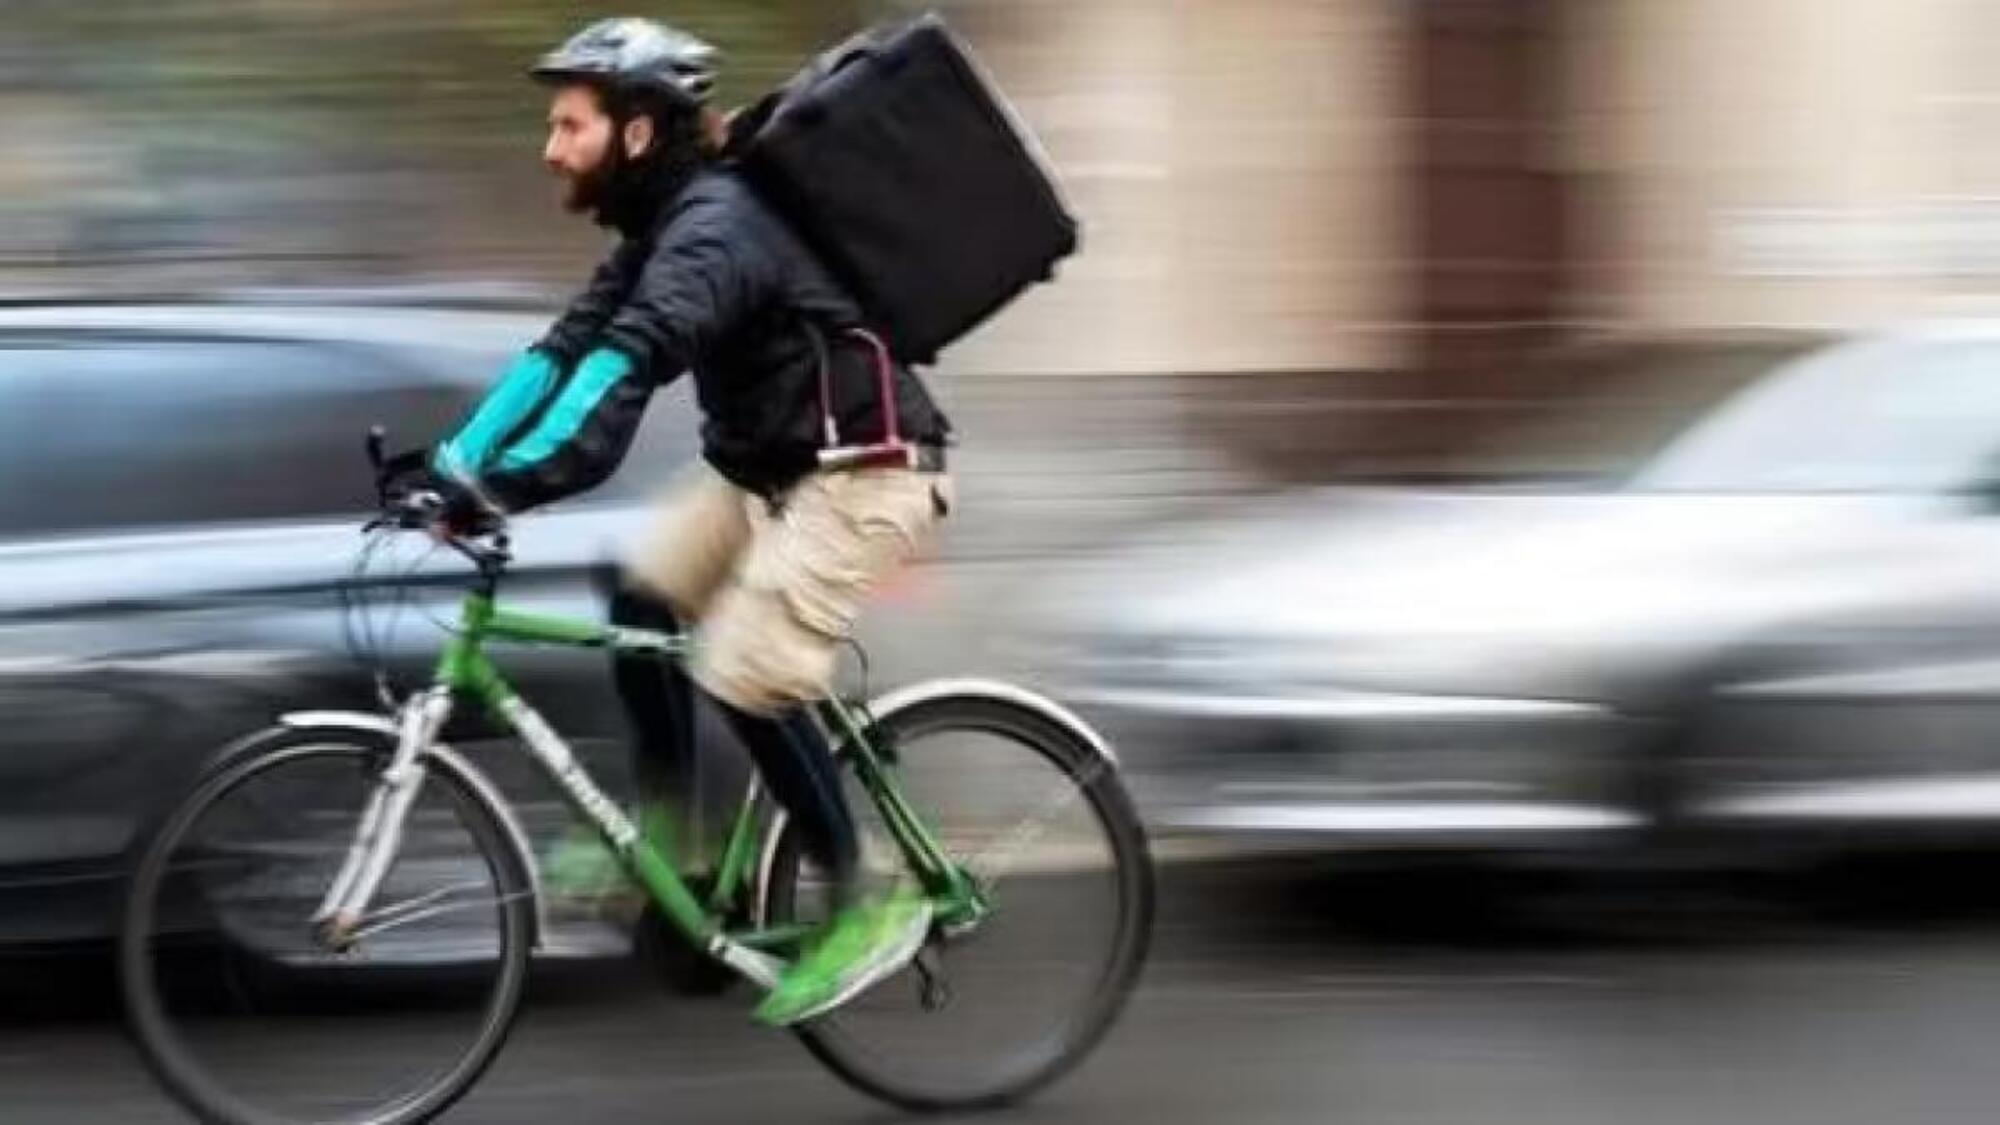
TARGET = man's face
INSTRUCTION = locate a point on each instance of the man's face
(578, 152)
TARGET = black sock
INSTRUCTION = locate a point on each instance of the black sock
(659, 703)
(798, 766)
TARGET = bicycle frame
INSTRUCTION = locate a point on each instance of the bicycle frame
(465, 671)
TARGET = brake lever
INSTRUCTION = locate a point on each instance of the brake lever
(462, 547)
(377, 440)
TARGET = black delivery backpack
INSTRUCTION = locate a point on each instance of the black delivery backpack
(906, 171)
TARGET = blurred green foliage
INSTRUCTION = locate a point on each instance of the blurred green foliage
(360, 72)
(395, 135)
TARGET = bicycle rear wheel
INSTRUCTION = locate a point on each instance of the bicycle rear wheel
(246, 1016)
(1027, 805)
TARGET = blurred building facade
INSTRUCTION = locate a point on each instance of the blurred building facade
(1451, 185)
(1441, 188)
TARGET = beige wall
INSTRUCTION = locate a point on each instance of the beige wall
(1233, 164)
(1742, 162)
(1789, 162)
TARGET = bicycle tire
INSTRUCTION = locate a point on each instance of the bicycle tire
(172, 1064)
(1073, 753)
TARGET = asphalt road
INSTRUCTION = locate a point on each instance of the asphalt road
(1307, 993)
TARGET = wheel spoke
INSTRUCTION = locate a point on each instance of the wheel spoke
(1014, 992)
(248, 1016)
(430, 905)
(996, 861)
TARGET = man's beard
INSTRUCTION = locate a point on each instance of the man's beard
(585, 193)
(621, 192)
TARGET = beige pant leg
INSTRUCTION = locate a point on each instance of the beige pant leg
(695, 540)
(772, 637)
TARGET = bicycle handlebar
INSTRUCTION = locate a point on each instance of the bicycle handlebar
(426, 509)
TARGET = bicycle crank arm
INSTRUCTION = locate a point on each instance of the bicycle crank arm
(754, 965)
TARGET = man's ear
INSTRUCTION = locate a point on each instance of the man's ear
(638, 136)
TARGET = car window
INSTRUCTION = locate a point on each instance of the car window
(1874, 417)
(113, 432)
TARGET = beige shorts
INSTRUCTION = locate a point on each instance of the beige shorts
(776, 594)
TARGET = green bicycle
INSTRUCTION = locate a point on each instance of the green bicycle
(343, 865)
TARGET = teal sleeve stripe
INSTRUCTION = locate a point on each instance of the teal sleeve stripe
(600, 371)
(520, 390)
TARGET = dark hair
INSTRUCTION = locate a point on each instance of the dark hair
(679, 145)
(678, 133)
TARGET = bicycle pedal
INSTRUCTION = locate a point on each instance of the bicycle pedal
(933, 990)
(675, 962)
(952, 931)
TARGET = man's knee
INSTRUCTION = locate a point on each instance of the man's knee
(696, 537)
(757, 658)
(635, 604)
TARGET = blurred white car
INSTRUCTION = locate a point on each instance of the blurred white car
(1788, 620)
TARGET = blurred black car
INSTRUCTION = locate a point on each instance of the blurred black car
(184, 486)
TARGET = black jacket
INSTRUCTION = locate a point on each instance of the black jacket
(714, 282)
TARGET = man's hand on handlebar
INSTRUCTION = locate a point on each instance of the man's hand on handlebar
(417, 497)
(463, 516)
(444, 508)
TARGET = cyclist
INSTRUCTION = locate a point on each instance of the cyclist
(770, 553)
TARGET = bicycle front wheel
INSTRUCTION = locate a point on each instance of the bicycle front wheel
(995, 1008)
(241, 1010)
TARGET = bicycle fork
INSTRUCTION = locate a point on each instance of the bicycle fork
(379, 836)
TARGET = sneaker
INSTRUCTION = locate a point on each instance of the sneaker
(861, 946)
(582, 873)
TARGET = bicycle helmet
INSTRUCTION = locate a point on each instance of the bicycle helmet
(636, 57)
